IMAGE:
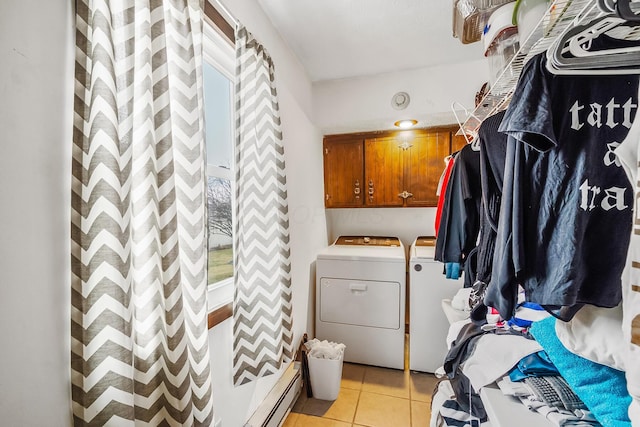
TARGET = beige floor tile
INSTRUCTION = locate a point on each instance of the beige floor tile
(391, 382)
(352, 375)
(291, 420)
(422, 386)
(420, 414)
(376, 410)
(342, 409)
(311, 421)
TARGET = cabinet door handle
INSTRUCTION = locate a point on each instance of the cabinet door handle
(371, 187)
(405, 145)
(356, 188)
(405, 194)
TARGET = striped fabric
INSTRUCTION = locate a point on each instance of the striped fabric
(262, 315)
(139, 350)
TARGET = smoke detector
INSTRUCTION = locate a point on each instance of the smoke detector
(400, 100)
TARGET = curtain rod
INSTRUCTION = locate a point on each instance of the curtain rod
(226, 12)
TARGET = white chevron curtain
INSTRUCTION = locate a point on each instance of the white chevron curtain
(262, 311)
(139, 350)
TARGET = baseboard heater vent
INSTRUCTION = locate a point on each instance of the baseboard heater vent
(278, 403)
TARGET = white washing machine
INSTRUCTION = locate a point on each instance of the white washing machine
(360, 298)
(428, 324)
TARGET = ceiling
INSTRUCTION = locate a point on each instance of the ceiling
(337, 39)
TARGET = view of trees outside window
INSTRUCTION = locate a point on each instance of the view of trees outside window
(220, 179)
(220, 229)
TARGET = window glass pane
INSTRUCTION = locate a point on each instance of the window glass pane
(217, 105)
(220, 229)
(218, 91)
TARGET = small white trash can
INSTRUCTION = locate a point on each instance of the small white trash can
(325, 376)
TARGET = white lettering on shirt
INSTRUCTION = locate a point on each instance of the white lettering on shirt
(611, 108)
(615, 194)
(575, 116)
(613, 197)
(586, 203)
(610, 157)
(612, 115)
(627, 113)
(595, 116)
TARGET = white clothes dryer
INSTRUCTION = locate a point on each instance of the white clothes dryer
(428, 324)
(360, 298)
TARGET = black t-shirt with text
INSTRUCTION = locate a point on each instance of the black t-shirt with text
(566, 210)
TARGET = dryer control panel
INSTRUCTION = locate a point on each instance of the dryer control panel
(368, 241)
(425, 241)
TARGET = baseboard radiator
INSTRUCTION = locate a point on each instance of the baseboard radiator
(278, 403)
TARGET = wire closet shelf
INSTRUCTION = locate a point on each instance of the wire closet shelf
(556, 19)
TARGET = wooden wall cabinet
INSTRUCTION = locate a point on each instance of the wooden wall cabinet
(383, 166)
(386, 169)
(343, 172)
(424, 163)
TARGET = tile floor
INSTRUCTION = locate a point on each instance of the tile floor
(372, 397)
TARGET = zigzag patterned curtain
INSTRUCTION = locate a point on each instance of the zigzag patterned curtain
(262, 328)
(139, 350)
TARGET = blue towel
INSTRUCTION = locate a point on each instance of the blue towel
(601, 388)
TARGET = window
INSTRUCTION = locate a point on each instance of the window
(219, 63)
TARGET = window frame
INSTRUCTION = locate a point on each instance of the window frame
(219, 52)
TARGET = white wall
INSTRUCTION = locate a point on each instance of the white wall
(36, 94)
(303, 152)
(364, 103)
(405, 223)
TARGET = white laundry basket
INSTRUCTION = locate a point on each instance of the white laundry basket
(325, 376)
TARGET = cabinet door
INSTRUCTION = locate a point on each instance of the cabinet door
(343, 173)
(424, 163)
(383, 168)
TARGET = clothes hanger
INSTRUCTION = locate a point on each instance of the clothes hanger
(623, 10)
(607, 6)
(468, 136)
(620, 7)
(475, 144)
(624, 63)
(569, 54)
(579, 44)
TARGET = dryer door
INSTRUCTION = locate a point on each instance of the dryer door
(360, 302)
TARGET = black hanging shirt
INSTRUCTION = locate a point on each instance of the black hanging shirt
(566, 211)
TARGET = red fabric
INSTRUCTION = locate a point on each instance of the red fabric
(443, 191)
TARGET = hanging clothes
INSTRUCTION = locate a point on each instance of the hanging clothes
(459, 225)
(442, 189)
(566, 201)
(493, 150)
(493, 147)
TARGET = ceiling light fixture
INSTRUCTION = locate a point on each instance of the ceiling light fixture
(405, 124)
